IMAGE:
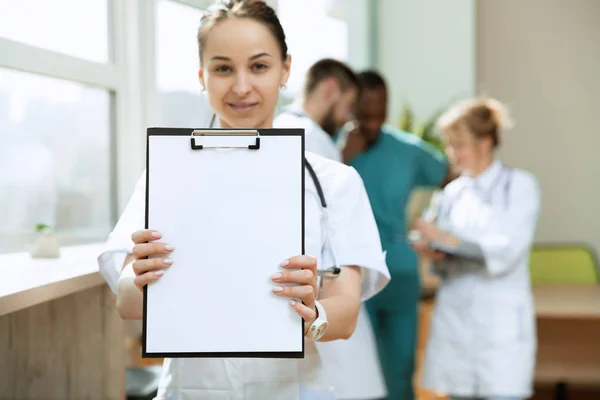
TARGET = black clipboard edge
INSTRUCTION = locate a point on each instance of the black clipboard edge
(302, 223)
(158, 131)
(257, 354)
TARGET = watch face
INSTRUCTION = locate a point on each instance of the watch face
(319, 331)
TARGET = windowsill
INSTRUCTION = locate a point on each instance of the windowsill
(26, 282)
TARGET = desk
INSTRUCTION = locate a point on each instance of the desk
(60, 334)
(568, 325)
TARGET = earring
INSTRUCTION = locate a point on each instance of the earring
(283, 87)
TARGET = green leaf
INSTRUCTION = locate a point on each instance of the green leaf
(406, 119)
(429, 128)
(41, 227)
(420, 129)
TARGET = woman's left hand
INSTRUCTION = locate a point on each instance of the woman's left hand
(301, 270)
(424, 250)
(431, 233)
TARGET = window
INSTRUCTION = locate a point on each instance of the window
(307, 43)
(74, 27)
(180, 100)
(54, 159)
(62, 98)
(80, 81)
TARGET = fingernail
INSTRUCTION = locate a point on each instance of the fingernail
(159, 273)
(276, 276)
(284, 263)
(168, 247)
(156, 235)
(292, 303)
(168, 261)
(277, 289)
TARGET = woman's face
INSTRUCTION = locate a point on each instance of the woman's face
(465, 151)
(242, 72)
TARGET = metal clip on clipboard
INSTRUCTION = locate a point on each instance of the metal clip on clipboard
(223, 132)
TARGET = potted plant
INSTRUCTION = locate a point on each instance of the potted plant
(424, 129)
(421, 198)
(46, 244)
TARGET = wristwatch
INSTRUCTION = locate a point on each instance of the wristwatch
(319, 325)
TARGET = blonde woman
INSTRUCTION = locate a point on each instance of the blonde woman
(482, 343)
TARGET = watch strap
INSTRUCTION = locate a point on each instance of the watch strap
(319, 325)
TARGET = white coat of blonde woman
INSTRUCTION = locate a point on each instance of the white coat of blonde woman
(482, 343)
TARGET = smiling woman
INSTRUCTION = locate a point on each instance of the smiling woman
(244, 62)
(242, 77)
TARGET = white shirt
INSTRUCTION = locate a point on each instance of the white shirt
(352, 365)
(316, 140)
(356, 241)
(483, 341)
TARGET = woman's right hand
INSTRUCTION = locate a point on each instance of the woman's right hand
(150, 259)
(423, 249)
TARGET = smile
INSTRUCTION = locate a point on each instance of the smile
(242, 107)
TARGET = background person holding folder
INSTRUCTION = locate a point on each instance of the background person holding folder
(244, 63)
(482, 343)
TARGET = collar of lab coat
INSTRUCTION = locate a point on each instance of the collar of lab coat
(296, 106)
(217, 123)
(488, 177)
(297, 109)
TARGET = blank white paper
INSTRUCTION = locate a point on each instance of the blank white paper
(233, 215)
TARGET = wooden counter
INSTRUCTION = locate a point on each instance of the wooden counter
(568, 327)
(60, 334)
(567, 301)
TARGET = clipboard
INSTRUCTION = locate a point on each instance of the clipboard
(231, 202)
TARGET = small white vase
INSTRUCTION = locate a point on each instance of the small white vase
(46, 246)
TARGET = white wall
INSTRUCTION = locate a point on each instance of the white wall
(426, 52)
(356, 14)
(542, 57)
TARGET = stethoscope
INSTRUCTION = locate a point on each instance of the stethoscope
(331, 272)
(505, 173)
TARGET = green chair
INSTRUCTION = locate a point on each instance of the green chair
(563, 263)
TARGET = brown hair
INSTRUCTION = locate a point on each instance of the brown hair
(254, 9)
(483, 117)
(330, 68)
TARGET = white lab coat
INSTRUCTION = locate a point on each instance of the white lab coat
(356, 242)
(352, 365)
(483, 339)
(316, 140)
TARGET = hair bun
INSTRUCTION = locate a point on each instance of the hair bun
(498, 113)
(483, 117)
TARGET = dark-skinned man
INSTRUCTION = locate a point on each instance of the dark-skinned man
(392, 163)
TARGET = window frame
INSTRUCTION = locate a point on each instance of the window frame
(119, 76)
(199, 4)
(129, 75)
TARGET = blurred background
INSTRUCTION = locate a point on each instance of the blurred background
(80, 80)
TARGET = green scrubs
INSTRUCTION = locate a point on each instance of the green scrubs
(395, 165)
